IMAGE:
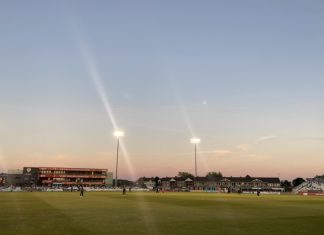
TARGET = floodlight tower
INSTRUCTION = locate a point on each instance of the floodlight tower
(117, 134)
(195, 141)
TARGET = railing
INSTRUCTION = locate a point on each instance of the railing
(71, 176)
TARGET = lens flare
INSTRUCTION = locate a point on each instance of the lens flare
(95, 77)
(186, 119)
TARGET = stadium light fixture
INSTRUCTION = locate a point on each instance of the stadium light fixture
(195, 141)
(117, 134)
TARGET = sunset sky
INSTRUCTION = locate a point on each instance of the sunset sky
(247, 77)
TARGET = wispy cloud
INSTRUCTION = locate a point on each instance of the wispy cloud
(244, 147)
(264, 138)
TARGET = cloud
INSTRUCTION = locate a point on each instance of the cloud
(264, 138)
(244, 147)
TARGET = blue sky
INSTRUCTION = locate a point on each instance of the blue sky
(244, 76)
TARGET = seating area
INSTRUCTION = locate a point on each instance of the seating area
(310, 185)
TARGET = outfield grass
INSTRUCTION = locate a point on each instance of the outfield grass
(163, 213)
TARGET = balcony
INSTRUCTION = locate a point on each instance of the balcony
(72, 176)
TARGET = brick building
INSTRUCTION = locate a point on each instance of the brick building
(225, 184)
(61, 176)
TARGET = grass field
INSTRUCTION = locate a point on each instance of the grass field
(163, 213)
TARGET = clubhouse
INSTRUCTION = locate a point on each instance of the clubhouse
(60, 176)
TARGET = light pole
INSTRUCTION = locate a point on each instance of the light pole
(117, 134)
(195, 141)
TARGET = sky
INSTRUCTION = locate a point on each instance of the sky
(246, 77)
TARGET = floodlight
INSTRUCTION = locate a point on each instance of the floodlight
(118, 133)
(195, 141)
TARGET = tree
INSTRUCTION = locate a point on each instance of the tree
(185, 174)
(319, 177)
(286, 185)
(214, 174)
(297, 181)
(122, 182)
(156, 181)
(140, 182)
